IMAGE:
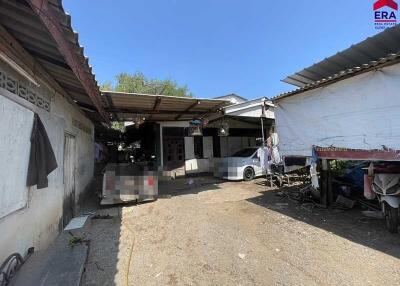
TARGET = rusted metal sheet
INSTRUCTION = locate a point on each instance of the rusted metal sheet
(160, 107)
(66, 47)
(357, 154)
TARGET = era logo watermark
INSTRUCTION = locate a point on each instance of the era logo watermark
(385, 13)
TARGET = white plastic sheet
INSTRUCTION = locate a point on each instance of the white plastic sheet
(362, 112)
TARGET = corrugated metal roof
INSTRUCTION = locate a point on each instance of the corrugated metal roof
(371, 49)
(125, 106)
(25, 25)
(382, 62)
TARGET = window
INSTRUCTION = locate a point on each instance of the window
(198, 147)
(15, 129)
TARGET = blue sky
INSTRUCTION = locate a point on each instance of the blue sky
(216, 47)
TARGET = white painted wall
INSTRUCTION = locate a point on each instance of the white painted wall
(361, 112)
(203, 165)
(194, 166)
(37, 224)
(189, 148)
(253, 108)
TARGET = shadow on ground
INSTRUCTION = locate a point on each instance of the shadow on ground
(110, 239)
(103, 230)
(349, 224)
(187, 186)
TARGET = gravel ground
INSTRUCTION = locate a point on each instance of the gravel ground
(237, 233)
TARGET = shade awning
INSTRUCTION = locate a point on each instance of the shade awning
(126, 106)
(45, 40)
(372, 49)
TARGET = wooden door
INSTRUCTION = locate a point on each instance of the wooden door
(174, 152)
(69, 178)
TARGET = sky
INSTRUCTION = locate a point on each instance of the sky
(217, 47)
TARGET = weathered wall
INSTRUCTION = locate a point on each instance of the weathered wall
(203, 165)
(38, 223)
(361, 112)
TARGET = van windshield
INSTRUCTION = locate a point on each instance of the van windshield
(247, 152)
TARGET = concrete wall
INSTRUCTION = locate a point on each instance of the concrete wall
(38, 222)
(203, 165)
(197, 166)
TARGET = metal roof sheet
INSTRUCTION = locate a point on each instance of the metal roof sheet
(382, 62)
(23, 19)
(371, 49)
(125, 106)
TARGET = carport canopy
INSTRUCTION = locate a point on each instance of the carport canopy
(127, 106)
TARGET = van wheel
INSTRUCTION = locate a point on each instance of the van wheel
(392, 218)
(248, 174)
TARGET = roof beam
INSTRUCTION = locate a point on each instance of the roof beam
(49, 18)
(148, 111)
(13, 49)
(216, 109)
(156, 106)
(157, 103)
(188, 109)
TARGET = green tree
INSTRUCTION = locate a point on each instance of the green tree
(138, 83)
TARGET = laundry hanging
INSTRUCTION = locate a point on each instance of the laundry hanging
(42, 160)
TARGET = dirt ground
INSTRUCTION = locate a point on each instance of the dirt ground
(237, 233)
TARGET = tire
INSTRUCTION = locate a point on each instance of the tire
(248, 174)
(392, 218)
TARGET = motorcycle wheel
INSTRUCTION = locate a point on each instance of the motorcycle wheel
(392, 218)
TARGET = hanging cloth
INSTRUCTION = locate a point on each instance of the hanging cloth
(263, 155)
(276, 157)
(42, 160)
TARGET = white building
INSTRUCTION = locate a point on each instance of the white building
(348, 104)
(232, 98)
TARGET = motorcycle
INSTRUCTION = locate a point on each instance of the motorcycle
(387, 188)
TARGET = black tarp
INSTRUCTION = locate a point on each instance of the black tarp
(42, 160)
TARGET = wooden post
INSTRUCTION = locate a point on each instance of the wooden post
(329, 185)
(262, 131)
(324, 182)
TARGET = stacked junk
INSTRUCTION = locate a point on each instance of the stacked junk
(372, 186)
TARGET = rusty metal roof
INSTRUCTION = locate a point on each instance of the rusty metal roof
(371, 49)
(44, 31)
(126, 106)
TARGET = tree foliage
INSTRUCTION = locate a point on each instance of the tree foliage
(138, 83)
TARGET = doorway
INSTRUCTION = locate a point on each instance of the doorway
(174, 152)
(69, 178)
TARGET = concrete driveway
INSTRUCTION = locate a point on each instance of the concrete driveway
(237, 233)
